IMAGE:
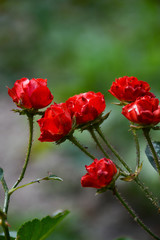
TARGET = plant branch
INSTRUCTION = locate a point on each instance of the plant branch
(148, 194)
(113, 150)
(76, 143)
(3, 216)
(91, 131)
(137, 146)
(30, 119)
(133, 214)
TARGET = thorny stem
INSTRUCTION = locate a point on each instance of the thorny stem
(7, 194)
(148, 194)
(147, 136)
(5, 187)
(113, 150)
(137, 146)
(76, 143)
(91, 131)
(30, 119)
(133, 214)
(99, 145)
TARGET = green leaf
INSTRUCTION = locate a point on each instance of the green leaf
(148, 152)
(50, 177)
(40, 229)
(1, 174)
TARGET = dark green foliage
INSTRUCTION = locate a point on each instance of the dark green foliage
(150, 156)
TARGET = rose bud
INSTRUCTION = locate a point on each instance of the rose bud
(55, 124)
(129, 89)
(145, 111)
(32, 93)
(86, 106)
(99, 173)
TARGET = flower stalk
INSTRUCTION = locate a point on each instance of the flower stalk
(77, 144)
(137, 146)
(113, 150)
(30, 119)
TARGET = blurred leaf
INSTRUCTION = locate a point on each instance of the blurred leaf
(1, 174)
(50, 177)
(40, 229)
(149, 154)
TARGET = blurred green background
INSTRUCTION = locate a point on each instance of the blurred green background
(78, 45)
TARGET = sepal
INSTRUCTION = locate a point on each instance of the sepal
(132, 176)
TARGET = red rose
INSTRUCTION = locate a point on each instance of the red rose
(55, 124)
(32, 93)
(129, 89)
(100, 173)
(145, 111)
(86, 106)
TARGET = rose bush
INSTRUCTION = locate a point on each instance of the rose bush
(129, 88)
(55, 124)
(145, 111)
(99, 173)
(32, 93)
(86, 106)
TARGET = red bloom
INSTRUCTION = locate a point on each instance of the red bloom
(55, 124)
(129, 89)
(86, 106)
(100, 173)
(32, 93)
(145, 111)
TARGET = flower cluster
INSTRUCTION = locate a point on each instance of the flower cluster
(142, 106)
(84, 111)
(60, 120)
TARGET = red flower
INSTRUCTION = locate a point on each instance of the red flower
(100, 173)
(55, 124)
(145, 111)
(32, 93)
(129, 89)
(86, 106)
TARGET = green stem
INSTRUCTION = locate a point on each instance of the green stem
(6, 230)
(76, 143)
(30, 119)
(113, 150)
(133, 214)
(6, 199)
(3, 215)
(137, 146)
(148, 194)
(91, 131)
(147, 136)
(100, 147)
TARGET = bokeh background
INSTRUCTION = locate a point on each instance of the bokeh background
(78, 46)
